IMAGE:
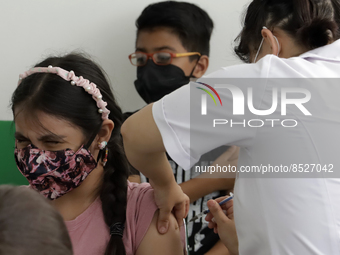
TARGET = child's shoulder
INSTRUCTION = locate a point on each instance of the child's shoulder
(134, 187)
(140, 194)
(140, 210)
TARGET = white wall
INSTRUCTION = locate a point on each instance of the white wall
(34, 29)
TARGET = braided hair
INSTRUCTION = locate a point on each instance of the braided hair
(53, 95)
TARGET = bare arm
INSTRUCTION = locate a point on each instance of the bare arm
(218, 249)
(144, 147)
(154, 243)
(200, 187)
(145, 150)
(134, 178)
(207, 183)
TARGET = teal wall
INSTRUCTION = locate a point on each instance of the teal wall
(9, 173)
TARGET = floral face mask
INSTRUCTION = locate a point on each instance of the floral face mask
(54, 173)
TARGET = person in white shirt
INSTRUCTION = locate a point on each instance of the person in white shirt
(282, 39)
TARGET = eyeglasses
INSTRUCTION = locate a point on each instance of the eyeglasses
(159, 58)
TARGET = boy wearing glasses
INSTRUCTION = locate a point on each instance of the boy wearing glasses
(172, 46)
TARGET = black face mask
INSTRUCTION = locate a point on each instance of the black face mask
(155, 81)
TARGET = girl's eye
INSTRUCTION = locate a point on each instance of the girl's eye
(21, 141)
(52, 142)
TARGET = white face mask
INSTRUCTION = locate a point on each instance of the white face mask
(258, 51)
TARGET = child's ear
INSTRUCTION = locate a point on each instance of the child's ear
(104, 134)
(105, 131)
(201, 66)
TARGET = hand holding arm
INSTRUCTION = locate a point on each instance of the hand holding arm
(145, 150)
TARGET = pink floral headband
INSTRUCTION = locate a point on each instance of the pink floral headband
(89, 87)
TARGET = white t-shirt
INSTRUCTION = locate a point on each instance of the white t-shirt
(272, 215)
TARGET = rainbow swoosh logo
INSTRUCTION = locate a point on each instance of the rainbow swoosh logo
(209, 93)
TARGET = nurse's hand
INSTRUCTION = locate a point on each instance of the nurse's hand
(170, 199)
(221, 219)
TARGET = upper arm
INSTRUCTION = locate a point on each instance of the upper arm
(199, 187)
(154, 243)
(140, 133)
(144, 147)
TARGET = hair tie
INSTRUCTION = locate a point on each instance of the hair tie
(117, 229)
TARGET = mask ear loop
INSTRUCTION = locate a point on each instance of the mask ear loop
(191, 76)
(258, 51)
(88, 144)
(278, 44)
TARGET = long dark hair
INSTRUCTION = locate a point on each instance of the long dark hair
(55, 96)
(312, 23)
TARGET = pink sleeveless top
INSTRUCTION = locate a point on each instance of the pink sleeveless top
(90, 234)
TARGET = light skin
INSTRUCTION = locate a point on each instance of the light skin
(207, 183)
(65, 136)
(164, 39)
(221, 219)
(168, 244)
(52, 133)
(146, 132)
(288, 48)
(165, 182)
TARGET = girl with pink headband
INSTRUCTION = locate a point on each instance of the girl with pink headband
(69, 148)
